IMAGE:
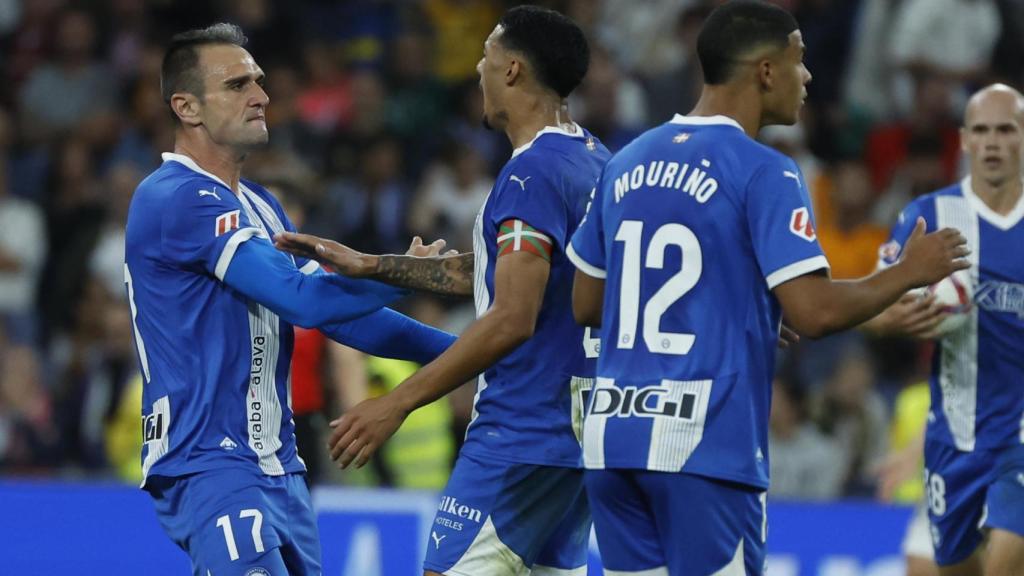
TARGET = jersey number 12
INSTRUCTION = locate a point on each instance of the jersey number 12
(633, 258)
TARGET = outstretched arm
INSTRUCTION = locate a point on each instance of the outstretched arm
(815, 305)
(449, 274)
(519, 283)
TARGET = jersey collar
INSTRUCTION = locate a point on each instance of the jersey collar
(1001, 221)
(190, 164)
(718, 120)
(576, 132)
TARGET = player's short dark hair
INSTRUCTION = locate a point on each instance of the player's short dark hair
(180, 69)
(734, 29)
(552, 43)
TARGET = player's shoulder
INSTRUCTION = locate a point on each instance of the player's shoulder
(173, 184)
(925, 203)
(262, 193)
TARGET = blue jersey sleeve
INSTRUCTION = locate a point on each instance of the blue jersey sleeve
(533, 193)
(203, 227)
(889, 253)
(781, 224)
(388, 334)
(265, 275)
(586, 250)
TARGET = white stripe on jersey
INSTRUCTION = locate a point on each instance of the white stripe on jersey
(958, 364)
(263, 407)
(593, 431)
(649, 572)
(160, 417)
(673, 439)
(221, 269)
(481, 297)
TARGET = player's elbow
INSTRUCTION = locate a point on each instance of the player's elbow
(586, 315)
(514, 328)
(815, 323)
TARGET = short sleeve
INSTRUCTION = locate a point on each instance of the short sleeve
(889, 253)
(781, 223)
(586, 250)
(532, 193)
(204, 226)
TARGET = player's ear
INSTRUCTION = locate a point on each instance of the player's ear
(186, 106)
(513, 71)
(963, 139)
(766, 74)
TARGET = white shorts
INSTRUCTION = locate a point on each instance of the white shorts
(917, 542)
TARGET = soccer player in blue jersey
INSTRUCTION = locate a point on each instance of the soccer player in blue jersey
(515, 501)
(698, 240)
(212, 305)
(974, 458)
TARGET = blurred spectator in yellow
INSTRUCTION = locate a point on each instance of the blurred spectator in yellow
(460, 28)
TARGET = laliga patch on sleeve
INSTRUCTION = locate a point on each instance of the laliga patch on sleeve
(514, 235)
(227, 222)
(889, 252)
(800, 224)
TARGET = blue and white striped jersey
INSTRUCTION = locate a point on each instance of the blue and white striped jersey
(692, 226)
(977, 380)
(215, 364)
(529, 404)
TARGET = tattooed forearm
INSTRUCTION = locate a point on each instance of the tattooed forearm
(447, 275)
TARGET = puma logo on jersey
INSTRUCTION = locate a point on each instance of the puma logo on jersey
(208, 193)
(789, 174)
(437, 539)
(520, 181)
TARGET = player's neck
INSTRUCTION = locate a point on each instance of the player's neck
(534, 115)
(223, 163)
(1001, 197)
(736, 102)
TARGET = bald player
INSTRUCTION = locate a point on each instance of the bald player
(974, 458)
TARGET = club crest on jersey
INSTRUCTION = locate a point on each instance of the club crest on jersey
(227, 222)
(800, 224)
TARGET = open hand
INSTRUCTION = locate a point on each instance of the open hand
(928, 258)
(419, 249)
(914, 315)
(362, 429)
(341, 258)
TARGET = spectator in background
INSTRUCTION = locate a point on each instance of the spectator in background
(368, 212)
(72, 87)
(292, 134)
(74, 218)
(851, 239)
(951, 40)
(22, 253)
(853, 415)
(460, 28)
(804, 463)
(887, 144)
(29, 441)
(452, 192)
(106, 264)
(92, 365)
(610, 103)
(417, 102)
(675, 88)
(325, 103)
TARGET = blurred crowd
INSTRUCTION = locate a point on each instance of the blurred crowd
(375, 136)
